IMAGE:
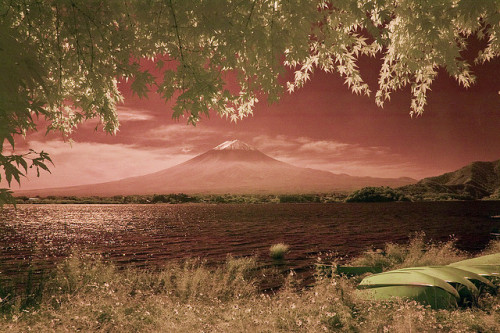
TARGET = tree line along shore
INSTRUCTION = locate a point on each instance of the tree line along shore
(366, 194)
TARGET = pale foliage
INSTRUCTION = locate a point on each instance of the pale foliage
(61, 59)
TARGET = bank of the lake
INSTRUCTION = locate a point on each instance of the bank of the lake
(87, 294)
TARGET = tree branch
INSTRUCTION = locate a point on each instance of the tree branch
(177, 31)
(251, 13)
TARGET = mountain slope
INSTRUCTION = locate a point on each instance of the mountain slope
(474, 181)
(232, 167)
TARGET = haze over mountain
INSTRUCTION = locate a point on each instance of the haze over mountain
(231, 167)
(474, 181)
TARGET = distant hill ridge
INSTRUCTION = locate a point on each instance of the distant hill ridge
(231, 167)
(477, 180)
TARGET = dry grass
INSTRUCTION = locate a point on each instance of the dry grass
(493, 247)
(278, 251)
(416, 253)
(89, 295)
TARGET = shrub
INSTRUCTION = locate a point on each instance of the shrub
(278, 251)
(298, 198)
(376, 194)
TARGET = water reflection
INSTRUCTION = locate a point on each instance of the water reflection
(149, 235)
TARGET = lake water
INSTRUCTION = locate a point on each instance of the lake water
(150, 235)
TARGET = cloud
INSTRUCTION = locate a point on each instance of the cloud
(322, 146)
(90, 162)
(337, 157)
(126, 114)
(187, 137)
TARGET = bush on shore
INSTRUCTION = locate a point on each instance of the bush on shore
(376, 194)
(278, 251)
(88, 294)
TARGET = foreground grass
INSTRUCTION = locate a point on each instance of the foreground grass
(87, 294)
(416, 253)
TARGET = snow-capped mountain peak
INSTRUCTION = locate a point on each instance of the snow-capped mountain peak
(234, 145)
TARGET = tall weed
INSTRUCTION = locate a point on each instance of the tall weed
(417, 252)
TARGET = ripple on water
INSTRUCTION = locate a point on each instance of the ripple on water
(152, 234)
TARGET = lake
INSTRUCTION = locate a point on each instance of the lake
(150, 235)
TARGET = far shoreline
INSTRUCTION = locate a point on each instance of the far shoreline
(194, 199)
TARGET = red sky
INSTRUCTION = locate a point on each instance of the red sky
(322, 126)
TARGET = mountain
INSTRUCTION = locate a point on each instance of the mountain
(231, 167)
(474, 181)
